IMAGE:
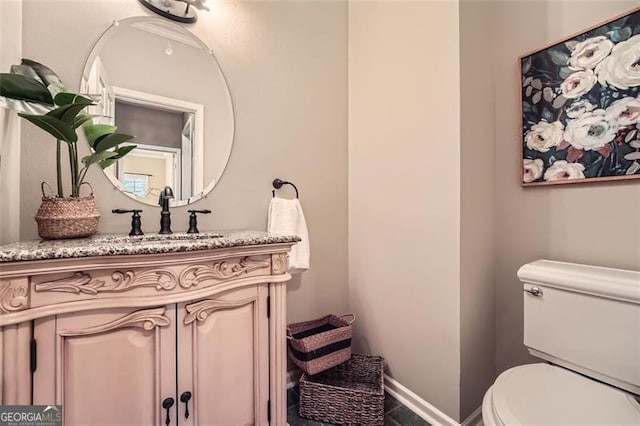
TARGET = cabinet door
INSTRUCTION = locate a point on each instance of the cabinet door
(108, 367)
(223, 349)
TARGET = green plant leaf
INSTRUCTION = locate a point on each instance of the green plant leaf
(67, 113)
(17, 86)
(52, 125)
(66, 98)
(124, 150)
(72, 112)
(45, 73)
(54, 89)
(82, 118)
(120, 152)
(97, 157)
(109, 161)
(94, 132)
(26, 71)
(111, 141)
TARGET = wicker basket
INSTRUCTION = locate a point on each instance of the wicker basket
(70, 217)
(318, 345)
(349, 394)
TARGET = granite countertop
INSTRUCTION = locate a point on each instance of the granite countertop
(115, 245)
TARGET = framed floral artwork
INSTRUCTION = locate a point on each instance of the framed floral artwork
(581, 106)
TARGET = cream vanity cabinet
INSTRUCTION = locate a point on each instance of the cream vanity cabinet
(213, 350)
(193, 338)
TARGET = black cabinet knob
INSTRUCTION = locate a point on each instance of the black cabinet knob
(185, 397)
(167, 404)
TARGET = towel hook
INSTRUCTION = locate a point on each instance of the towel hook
(277, 184)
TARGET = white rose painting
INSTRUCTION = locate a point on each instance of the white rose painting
(581, 106)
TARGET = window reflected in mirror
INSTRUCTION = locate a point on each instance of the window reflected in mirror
(165, 152)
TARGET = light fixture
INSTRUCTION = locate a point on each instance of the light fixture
(176, 10)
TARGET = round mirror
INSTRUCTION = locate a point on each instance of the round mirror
(156, 80)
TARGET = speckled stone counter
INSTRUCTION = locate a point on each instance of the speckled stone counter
(115, 245)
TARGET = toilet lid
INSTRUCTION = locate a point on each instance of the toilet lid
(546, 394)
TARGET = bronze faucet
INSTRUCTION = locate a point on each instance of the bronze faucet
(165, 216)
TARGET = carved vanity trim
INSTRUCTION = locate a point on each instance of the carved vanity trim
(14, 295)
(54, 287)
(222, 270)
(81, 282)
(147, 319)
(36, 289)
(199, 311)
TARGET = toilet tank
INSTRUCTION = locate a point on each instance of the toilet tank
(585, 318)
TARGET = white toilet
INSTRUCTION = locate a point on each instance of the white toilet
(585, 322)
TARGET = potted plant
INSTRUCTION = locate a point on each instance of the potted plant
(39, 96)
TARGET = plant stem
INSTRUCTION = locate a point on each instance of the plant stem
(59, 168)
(72, 168)
(71, 173)
(82, 174)
(75, 171)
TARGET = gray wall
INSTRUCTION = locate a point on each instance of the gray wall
(286, 65)
(404, 192)
(586, 223)
(150, 126)
(477, 248)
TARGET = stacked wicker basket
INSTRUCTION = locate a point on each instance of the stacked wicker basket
(336, 386)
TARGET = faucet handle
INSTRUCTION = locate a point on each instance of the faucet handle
(136, 220)
(193, 220)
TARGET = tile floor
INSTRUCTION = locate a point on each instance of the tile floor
(395, 414)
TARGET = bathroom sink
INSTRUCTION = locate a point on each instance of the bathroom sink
(180, 236)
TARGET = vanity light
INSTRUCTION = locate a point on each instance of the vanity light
(176, 10)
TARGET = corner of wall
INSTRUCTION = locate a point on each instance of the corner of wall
(477, 205)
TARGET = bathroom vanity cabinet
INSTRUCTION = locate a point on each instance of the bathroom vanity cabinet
(196, 337)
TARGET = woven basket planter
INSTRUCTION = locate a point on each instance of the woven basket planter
(69, 217)
(348, 394)
(318, 345)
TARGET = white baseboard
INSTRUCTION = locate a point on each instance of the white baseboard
(416, 404)
(425, 410)
(475, 419)
(412, 401)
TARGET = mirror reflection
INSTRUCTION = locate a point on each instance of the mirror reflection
(156, 80)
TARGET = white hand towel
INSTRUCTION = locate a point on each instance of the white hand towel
(286, 218)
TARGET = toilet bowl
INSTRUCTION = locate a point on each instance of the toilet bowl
(585, 322)
(539, 394)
